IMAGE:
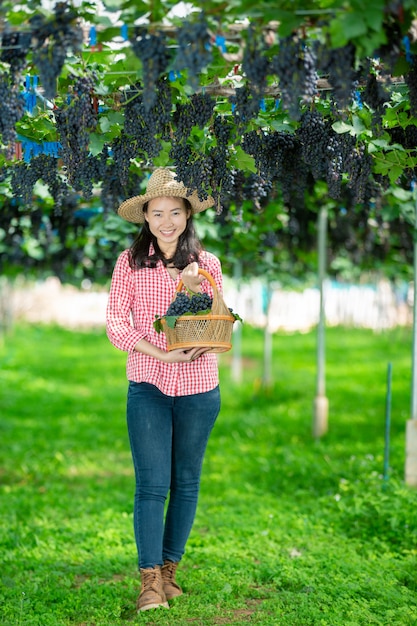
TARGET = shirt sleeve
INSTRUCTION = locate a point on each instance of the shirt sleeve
(119, 326)
(212, 265)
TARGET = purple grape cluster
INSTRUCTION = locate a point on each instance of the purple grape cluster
(295, 66)
(255, 63)
(194, 51)
(11, 109)
(51, 41)
(75, 121)
(185, 304)
(152, 50)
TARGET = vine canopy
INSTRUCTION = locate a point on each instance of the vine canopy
(288, 103)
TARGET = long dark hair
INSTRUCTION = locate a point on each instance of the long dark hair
(188, 247)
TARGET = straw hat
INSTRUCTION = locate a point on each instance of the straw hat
(161, 183)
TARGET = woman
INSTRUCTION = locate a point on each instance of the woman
(173, 397)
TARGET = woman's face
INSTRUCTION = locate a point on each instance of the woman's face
(167, 219)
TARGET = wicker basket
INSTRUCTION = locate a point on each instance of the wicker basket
(213, 330)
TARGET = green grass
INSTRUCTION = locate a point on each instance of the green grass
(290, 530)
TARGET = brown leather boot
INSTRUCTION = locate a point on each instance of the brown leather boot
(152, 594)
(171, 588)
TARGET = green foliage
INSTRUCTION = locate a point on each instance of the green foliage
(289, 530)
(373, 28)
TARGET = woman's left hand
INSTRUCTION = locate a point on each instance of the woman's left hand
(191, 278)
(180, 355)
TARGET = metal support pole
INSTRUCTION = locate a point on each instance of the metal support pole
(321, 403)
(411, 431)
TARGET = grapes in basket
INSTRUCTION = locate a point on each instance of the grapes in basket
(184, 304)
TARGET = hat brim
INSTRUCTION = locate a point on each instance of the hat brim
(132, 209)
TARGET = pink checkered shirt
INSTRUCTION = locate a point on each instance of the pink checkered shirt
(136, 297)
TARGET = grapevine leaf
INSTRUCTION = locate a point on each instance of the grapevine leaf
(394, 173)
(342, 127)
(158, 325)
(345, 28)
(171, 320)
(163, 157)
(96, 143)
(243, 160)
(236, 316)
(376, 144)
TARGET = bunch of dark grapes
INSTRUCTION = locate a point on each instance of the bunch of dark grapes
(222, 131)
(410, 79)
(313, 134)
(180, 305)
(113, 192)
(345, 156)
(194, 51)
(339, 65)
(74, 122)
(257, 189)
(22, 182)
(222, 181)
(200, 302)
(11, 109)
(183, 304)
(335, 162)
(148, 126)
(358, 165)
(151, 49)
(42, 167)
(193, 168)
(237, 182)
(45, 167)
(196, 112)
(245, 105)
(375, 96)
(392, 49)
(295, 66)
(51, 42)
(14, 48)
(295, 172)
(252, 144)
(90, 171)
(123, 150)
(269, 151)
(255, 64)
(162, 110)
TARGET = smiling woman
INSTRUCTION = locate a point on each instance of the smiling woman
(173, 395)
(167, 219)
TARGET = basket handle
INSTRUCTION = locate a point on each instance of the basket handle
(206, 275)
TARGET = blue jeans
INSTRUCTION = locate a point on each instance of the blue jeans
(168, 438)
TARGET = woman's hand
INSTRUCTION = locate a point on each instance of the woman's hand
(191, 278)
(184, 356)
(173, 356)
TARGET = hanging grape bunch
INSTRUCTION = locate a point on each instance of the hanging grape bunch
(11, 109)
(194, 51)
(52, 40)
(151, 49)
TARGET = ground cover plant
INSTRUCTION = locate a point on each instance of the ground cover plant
(289, 530)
